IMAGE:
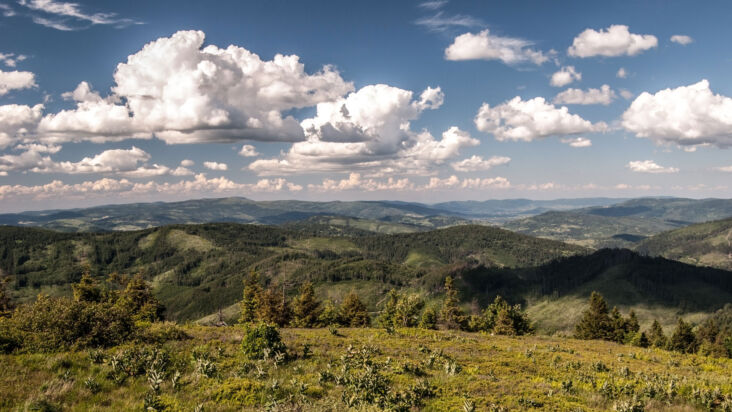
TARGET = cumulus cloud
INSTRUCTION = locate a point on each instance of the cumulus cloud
(577, 142)
(687, 115)
(17, 121)
(453, 182)
(621, 74)
(681, 39)
(248, 151)
(604, 95)
(485, 46)
(649, 166)
(616, 40)
(369, 130)
(16, 80)
(215, 166)
(565, 76)
(356, 182)
(182, 92)
(200, 184)
(187, 163)
(527, 120)
(477, 163)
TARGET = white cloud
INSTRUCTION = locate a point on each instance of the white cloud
(16, 80)
(66, 13)
(649, 166)
(681, 39)
(604, 95)
(442, 22)
(248, 151)
(621, 74)
(433, 5)
(10, 59)
(532, 119)
(40, 148)
(356, 182)
(485, 46)
(687, 115)
(453, 182)
(369, 130)
(7, 10)
(215, 166)
(477, 163)
(187, 163)
(101, 188)
(16, 121)
(183, 92)
(565, 76)
(725, 169)
(616, 40)
(627, 94)
(577, 142)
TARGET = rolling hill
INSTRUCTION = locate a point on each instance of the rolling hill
(196, 270)
(704, 244)
(623, 224)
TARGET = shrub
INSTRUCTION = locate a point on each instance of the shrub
(262, 338)
(353, 312)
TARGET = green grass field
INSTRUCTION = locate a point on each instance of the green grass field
(444, 371)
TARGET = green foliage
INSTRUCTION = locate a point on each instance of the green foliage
(306, 308)
(595, 322)
(353, 312)
(262, 340)
(250, 302)
(274, 307)
(451, 315)
(429, 319)
(640, 339)
(138, 300)
(502, 319)
(6, 302)
(87, 290)
(656, 337)
(683, 339)
(331, 314)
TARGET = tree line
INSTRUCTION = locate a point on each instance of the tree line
(709, 338)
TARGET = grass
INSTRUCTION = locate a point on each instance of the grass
(490, 371)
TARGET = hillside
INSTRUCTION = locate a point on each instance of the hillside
(622, 224)
(704, 244)
(361, 368)
(197, 269)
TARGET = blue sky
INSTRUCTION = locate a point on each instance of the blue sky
(424, 101)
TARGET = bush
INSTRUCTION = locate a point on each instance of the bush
(262, 338)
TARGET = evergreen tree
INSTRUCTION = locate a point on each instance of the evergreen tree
(640, 339)
(306, 308)
(429, 319)
(87, 290)
(137, 298)
(451, 315)
(632, 324)
(6, 303)
(407, 311)
(656, 336)
(330, 315)
(273, 308)
(251, 298)
(388, 313)
(354, 312)
(683, 339)
(618, 326)
(504, 323)
(595, 322)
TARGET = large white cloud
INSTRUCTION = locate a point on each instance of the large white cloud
(16, 121)
(369, 130)
(16, 80)
(604, 95)
(649, 166)
(616, 40)
(527, 120)
(183, 92)
(565, 76)
(486, 46)
(687, 115)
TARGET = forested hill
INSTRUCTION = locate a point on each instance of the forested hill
(198, 269)
(704, 244)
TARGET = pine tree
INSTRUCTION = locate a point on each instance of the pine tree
(656, 336)
(618, 326)
(408, 309)
(273, 308)
(354, 312)
(330, 315)
(87, 290)
(451, 315)
(632, 323)
(504, 323)
(250, 302)
(640, 339)
(683, 339)
(595, 322)
(306, 308)
(6, 303)
(137, 298)
(388, 313)
(429, 319)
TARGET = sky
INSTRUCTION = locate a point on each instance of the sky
(115, 102)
